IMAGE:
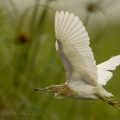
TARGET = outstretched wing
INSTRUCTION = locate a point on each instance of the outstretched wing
(72, 45)
(103, 69)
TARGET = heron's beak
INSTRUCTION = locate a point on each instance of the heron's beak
(40, 89)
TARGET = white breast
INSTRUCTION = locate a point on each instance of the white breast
(85, 91)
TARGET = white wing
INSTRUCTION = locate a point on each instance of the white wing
(103, 69)
(72, 45)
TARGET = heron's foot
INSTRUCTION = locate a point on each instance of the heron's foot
(112, 101)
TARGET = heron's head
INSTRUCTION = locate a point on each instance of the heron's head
(52, 88)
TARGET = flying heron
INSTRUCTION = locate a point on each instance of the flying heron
(85, 79)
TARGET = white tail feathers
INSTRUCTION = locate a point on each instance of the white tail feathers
(103, 69)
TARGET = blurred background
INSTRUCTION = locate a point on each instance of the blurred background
(28, 58)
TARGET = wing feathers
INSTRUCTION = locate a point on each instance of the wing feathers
(73, 47)
(103, 69)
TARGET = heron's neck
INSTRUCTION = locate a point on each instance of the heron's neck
(64, 91)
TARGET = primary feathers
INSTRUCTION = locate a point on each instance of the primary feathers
(72, 45)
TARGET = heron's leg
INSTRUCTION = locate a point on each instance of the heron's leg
(111, 101)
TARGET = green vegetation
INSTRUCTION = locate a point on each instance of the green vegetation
(28, 60)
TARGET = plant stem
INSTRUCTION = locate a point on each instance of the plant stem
(39, 31)
(34, 14)
(86, 19)
(14, 8)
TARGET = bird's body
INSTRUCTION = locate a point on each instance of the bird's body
(85, 91)
(85, 79)
(77, 90)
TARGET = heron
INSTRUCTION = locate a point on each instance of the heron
(84, 79)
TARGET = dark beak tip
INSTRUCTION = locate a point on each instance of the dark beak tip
(36, 89)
